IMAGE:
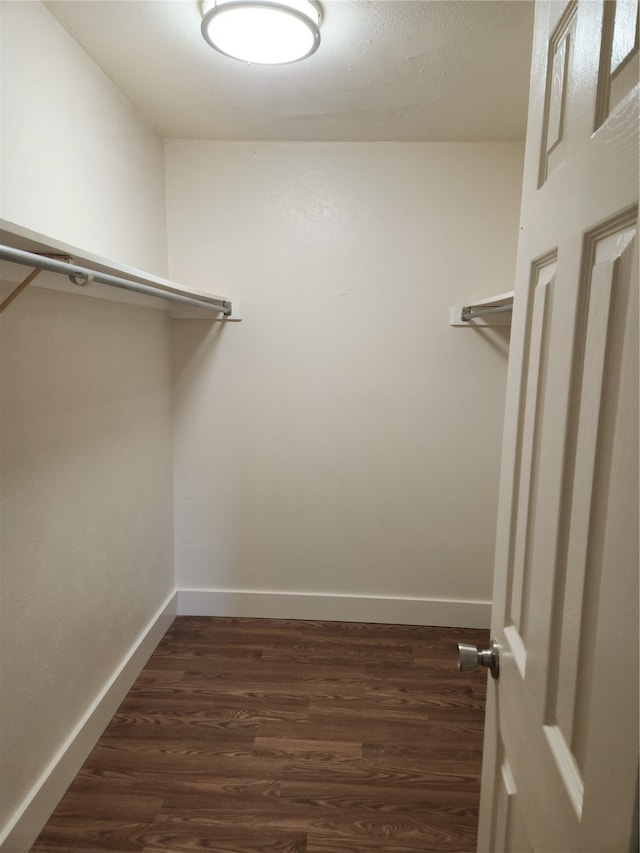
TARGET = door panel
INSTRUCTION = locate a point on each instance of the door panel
(619, 49)
(561, 741)
(513, 836)
(543, 279)
(559, 79)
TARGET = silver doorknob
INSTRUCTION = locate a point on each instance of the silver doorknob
(470, 658)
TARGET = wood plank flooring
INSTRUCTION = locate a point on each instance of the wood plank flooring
(246, 735)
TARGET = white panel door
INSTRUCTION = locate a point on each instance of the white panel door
(561, 742)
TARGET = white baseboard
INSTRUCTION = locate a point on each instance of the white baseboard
(31, 816)
(339, 608)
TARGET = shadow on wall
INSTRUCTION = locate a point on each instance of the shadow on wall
(497, 337)
(190, 351)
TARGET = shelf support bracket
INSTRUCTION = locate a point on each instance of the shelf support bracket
(18, 290)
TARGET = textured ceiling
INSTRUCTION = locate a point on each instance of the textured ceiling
(413, 70)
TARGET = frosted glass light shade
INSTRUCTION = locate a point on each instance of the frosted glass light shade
(265, 32)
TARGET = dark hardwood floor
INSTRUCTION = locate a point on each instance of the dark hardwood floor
(246, 735)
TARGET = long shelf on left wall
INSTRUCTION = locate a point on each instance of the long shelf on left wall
(72, 270)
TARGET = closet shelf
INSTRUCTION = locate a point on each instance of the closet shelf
(26, 248)
(492, 311)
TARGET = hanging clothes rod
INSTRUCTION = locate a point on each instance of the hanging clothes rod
(470, 313)
(82, 276)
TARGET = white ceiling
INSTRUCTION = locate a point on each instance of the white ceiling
(386, 70)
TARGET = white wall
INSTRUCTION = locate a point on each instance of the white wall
(87, 532)
(342, 442)
(86, 511)
(76, 161)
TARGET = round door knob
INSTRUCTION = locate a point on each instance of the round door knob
(467, 657)
(470, 658)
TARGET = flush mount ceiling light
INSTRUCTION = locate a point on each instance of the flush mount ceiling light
(265, 32)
